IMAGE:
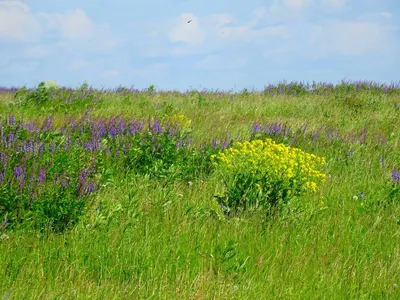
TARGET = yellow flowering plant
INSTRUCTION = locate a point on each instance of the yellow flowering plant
(264, 173)
(183, 122)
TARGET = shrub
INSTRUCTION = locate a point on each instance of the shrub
(265, 174)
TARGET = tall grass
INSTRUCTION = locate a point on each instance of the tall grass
(166, 236)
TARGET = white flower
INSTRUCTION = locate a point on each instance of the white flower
(51, 84)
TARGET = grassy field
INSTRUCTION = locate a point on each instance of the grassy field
(160, 233)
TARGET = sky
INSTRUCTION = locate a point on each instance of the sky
(182, 45)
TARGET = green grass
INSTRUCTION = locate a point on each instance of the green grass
(150, 240)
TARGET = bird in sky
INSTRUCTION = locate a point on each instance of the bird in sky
(189, 21)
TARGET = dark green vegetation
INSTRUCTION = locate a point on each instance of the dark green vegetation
(112, 195)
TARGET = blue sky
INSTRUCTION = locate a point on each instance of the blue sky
(231, 44)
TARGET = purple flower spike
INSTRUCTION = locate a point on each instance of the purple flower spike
(41, 177)
(11, 120)
(18, 171)
(214, 143)
(396, 176)
(256, 127)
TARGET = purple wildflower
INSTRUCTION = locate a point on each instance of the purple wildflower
(47, 123)
(214, 143)
(256, 127)
(157, 127)
(11, 138)
(11, 120)
(4, 161)
(396, 176)
(18, 171)
(89, 188)
(41, 177)
(30, 127)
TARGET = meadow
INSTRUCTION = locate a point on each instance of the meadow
(146, 194)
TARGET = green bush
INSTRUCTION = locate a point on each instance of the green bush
(265, 174)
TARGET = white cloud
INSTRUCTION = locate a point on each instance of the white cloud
(14, 4)
(73, 25)
(16, 23)
(296, 4)
(190, 33)
(77, 25)
(217, 31)
(386, 15)
(333, 5)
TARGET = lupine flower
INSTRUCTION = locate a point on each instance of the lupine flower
(11, 138)
(214, 143)
(113, 131)
(41, 177)
(11, 120)
(396, 176)
(4, 161)
(18, 171)
(256, 127)
(89, 188)
(30, 127)
(47, 123)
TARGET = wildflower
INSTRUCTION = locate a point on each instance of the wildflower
(41, 177)
(396, 176)
(18, 171)
(287, 167)
(51, 84)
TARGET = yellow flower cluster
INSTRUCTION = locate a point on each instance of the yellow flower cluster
(182, 121)
(292, 167)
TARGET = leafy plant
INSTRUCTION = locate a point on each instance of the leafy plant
(265, 174)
